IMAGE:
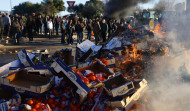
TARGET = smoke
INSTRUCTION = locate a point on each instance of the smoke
(169, 83)
(121, 8)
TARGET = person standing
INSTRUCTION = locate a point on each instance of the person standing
(89, 29)
(7, 23)
(70, 29)
(63, 30)
(79, 30)
(39, 24)
(57, 24)
(45, 20)
(16, 31)
(110, 28)
(30, 28)
(23, 25)
(52, 17)
(96, 30)
(104, 29)
(1, 25)
(50, 28)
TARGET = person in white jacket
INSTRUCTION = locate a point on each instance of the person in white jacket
(50, 28)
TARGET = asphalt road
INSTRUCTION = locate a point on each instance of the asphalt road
(39, 43)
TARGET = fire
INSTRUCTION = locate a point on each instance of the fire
(130, 27)
(159, 29)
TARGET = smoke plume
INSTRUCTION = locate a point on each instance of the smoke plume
(170, 76)
(120, 8)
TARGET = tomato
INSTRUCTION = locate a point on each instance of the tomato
(30, 102)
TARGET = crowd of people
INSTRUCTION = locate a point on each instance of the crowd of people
(28, 26)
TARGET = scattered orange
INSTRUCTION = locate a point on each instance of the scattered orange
(50, 101)
(63, 106)
(30, 102)
(135, 106)
(33, 109)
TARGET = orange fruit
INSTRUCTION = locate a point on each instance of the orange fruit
(4, 50)
(34, 100)
(50, 101)
(52, 106)
(63, 106)
(30, 102)
(37, 106)
(33, 109)
(135, 106)
(93, 78)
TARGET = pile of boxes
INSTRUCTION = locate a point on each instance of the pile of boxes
(46, 83)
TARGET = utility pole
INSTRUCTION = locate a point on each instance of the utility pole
(11, 4)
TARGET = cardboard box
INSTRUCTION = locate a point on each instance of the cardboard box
(127, 101)
(61, 68)
(38, 68)
(24, 58)
(5, 69)
(28, 83)
(97, 67)
(118, 86)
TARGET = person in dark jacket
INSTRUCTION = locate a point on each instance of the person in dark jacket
(63, 30)
(57, 24)
(1, 25)
(45, 20)
(16, 31)
(31, 28)
(96, 30)
(110, 28)
(79, 30)
(39, 24)
(89, 29)
(7, 22)
(104, 29)
(70, 29)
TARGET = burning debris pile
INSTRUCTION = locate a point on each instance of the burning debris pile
(114, 76)
(134, 71)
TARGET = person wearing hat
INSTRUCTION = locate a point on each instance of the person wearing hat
(1, 25)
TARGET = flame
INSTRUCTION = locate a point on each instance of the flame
(159, 29)
(130, 27)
